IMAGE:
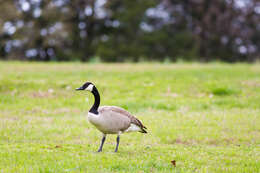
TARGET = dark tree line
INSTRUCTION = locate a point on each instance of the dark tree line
(130, 30)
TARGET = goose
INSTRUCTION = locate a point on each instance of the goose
(110, 119)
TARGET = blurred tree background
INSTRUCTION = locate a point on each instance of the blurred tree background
(130, 30)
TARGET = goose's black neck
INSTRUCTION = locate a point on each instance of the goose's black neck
(94, 108)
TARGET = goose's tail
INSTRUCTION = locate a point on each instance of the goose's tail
(143, 130)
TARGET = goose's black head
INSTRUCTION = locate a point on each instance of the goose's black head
(87, 86)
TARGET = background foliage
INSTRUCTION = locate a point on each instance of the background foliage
(130, 30)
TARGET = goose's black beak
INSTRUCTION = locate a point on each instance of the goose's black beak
(80, 88)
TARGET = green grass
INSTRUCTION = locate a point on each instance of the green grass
(206, 117)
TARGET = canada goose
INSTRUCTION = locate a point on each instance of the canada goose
(110, 119)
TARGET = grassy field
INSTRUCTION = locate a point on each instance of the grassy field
(206, 117)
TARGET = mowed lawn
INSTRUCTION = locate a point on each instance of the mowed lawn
(206, 117)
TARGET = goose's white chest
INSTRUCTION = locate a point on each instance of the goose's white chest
(94, 119)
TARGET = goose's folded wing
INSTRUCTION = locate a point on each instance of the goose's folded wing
(123, 112)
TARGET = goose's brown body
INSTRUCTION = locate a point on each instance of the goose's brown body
(114, 120)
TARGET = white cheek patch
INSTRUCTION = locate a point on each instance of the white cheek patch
(90, 87)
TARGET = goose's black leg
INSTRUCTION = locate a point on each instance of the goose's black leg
(117, 142)
(102, 143)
